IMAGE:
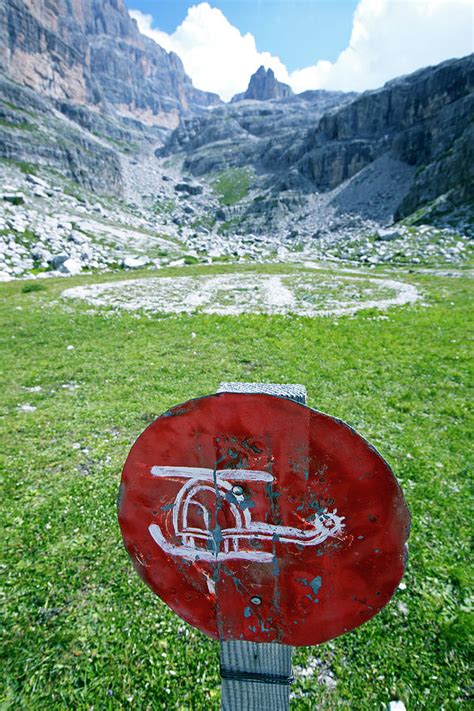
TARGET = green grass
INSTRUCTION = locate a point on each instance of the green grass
(21, 125)
(164, 207)
(73, 190)
(232, 185)
(15, 107)
(227, 225)
(33, 286)
(23, 166)
(190, 259)
(27, 238)
(80, 630)
(206, 221)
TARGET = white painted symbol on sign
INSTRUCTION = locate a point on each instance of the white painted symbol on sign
(246, 538)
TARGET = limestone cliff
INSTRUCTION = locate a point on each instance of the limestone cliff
(90, 53)
(423, 120)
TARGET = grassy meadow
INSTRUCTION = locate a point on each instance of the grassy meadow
(80, 630)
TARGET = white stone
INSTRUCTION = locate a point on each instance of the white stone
(77, 237)
(328, 680)
(26, 407)
(388, 234)
(87, 253)
(402, 608)
(131, 262)
(71, 266)
(37, 181)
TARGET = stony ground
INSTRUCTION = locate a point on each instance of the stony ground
(51, 227)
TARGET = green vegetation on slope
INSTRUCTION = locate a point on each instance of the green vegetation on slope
(17, 125)
(80, 629)
(232, 185)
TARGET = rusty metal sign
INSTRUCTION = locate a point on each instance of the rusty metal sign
(257, 518)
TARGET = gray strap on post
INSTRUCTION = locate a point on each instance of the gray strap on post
(257, 676)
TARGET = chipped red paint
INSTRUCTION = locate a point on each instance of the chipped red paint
(254, 517)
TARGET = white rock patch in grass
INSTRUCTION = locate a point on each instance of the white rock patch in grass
(26, 407)
(306, 294)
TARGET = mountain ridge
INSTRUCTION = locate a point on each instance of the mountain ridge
(422, 120)
(112, 125)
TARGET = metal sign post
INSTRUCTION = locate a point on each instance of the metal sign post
(265, 524)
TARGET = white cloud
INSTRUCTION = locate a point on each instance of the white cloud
(215, 54)
(389, 38)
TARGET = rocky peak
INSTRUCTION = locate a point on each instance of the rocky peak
(264, 86)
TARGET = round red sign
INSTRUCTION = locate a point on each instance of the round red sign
(257, 518)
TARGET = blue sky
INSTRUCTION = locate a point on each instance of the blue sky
(298, 31)
(346, 45)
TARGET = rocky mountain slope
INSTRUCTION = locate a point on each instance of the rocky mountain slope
(94, 176)
(50, 226)
(80, 87)
(423, 120)
(264, 86)
(247, 133)
(391, 151)
(33, 132)
(90, 53)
